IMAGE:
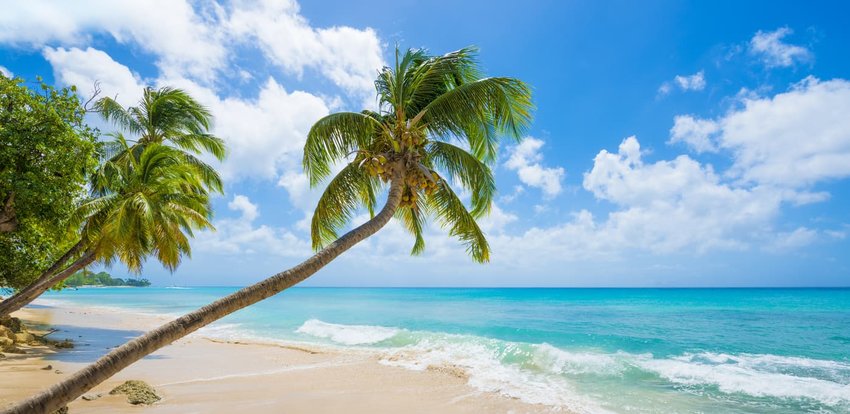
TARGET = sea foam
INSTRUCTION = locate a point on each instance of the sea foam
(758, 375)
(347, 334)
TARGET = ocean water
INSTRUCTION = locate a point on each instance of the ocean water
(585, 350)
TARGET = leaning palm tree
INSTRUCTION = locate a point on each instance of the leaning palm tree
(145, 206)
(439, 122)
(165, 116)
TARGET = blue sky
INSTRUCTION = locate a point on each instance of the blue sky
(674, 143)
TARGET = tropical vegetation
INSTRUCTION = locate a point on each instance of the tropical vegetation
(438, 125)
(46, 154)
(89, 278)
(149, 194)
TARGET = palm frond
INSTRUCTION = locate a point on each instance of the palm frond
(503, 103)
(332, 138)
(347, 191)
(452, 214)
(474, 175)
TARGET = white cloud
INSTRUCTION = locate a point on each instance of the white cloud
(197, 40)
(695, 82)
(497, 220)
(241, 235)
(791, 140)
(82, 68)
(349, 57)
(696, 133)
(242, 203)
(788, 241)
(182, 38)
(672, 205)
(265, 135)
(6, 72)
(776, 53)
(526, 158)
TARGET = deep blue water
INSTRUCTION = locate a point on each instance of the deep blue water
(590, 350)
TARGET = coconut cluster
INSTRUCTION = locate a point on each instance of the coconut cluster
(375, 166)
(419, 180)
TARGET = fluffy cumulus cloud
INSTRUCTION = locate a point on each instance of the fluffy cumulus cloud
(241, 235)
(347, 56)
(662, 207)
(695, 82)
(774, 52)
(84, 67)
(182, 37)
(696, 133)
(266, 134)
(674, 204)
(793, 139)
(198, 40)
(526, 160)
(780, 147)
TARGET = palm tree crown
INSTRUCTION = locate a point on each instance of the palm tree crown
(149, 205)
(166, 116)
(438, 121)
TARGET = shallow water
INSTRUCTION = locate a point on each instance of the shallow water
(589, 350)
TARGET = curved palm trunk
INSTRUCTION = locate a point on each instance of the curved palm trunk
(34, 290)
(121, 357)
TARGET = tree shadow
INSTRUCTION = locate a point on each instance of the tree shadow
(90, 343)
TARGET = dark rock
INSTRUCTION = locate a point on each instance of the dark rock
(64, 344)
(137, 392)
(12, 323)
(48, 368)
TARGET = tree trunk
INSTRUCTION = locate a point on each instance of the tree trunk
(8, 221)
(121, 357)
(47, 280)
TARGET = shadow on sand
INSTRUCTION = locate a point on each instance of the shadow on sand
(89, 343)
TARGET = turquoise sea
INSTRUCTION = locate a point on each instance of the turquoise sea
(586, 350)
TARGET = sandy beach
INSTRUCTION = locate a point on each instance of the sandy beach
(206, 375)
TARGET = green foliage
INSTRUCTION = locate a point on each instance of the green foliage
(46, 151)
(151, 192)
(147, 204)
(88, 278)
(172, 117)
(428, 106)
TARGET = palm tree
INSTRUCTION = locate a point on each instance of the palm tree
(427, 104)
(141, 207)
(165, 116)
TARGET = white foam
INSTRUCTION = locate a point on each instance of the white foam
(347, 334)
(755, 375)
(481, 360)
(559, 361)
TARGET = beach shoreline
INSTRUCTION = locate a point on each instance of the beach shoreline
(202, 374)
